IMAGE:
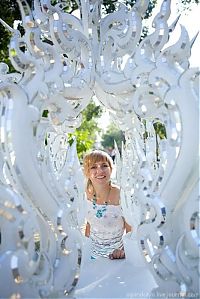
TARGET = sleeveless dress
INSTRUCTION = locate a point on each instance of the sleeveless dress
(106, 228)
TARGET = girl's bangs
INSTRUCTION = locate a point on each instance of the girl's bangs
(97, 157)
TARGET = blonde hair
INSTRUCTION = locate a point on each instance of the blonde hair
(92, 158)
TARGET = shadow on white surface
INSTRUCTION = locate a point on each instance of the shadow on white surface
(104, 278)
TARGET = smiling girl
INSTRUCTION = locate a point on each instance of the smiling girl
(105, 223)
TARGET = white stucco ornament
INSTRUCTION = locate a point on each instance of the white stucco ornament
(61, 62)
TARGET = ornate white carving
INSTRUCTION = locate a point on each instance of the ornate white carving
(62, 61)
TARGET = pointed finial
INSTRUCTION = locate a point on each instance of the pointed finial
(7, 26)
(173, 25)
(194, 39)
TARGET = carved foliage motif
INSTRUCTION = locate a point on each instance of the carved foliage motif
(61, 62)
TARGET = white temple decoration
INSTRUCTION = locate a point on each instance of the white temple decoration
(61, 62)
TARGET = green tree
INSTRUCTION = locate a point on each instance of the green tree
(160, 134)
(160, 131)
(10, 13)
(86, 134)
(112, 134)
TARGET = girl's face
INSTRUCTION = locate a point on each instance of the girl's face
(100, 172)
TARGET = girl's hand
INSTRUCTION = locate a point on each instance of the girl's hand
(117, 254)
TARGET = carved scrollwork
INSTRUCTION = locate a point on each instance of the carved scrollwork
(62, 61)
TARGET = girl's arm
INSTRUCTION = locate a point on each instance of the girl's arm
(127, 227)
(87, 230)
(120, 253)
